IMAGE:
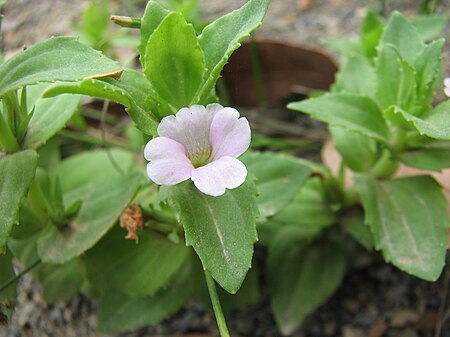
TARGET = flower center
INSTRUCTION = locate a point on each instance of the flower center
(200, 158)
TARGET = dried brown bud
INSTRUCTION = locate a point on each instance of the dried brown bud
(131, 219)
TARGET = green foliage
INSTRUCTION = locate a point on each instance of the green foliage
(16, 174)
(278, 179)
(222, 229)
(53, 60)
(7, 296)
(95, 23)
(145, 267)
(409, 222)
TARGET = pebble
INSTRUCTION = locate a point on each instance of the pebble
(403, 318)
(350, 331)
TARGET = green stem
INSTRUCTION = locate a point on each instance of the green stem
(216, 305)
(126, 21)
(38, 202)
(14, 279)
(84, 138)
(7, 140)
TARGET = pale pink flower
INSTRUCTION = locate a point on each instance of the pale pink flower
(447, 86)
(201, 144)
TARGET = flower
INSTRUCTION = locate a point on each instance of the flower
(200, 143)
(447, 86)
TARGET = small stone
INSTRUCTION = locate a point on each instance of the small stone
(404, 318)
(350, 331)
(378, 329)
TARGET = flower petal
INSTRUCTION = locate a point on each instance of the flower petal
(190, 127)
(229, 135)
(214, 178)
(168, 162)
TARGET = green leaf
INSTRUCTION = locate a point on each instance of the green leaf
(371, 31)
(105, 193)
(396, 79)
(145, 267)
(358, 230)
(359, 152)
(278, 179)
(174, 62)
(356, 113)
(404, 36)
(302, 278)
(132, 91)
(356, 76)
(16, 174)
(56, 59)
(50, 116)
(222, 229)
(220, 38)
(153, 16)
(435, 124)
(408, 219)
(118, 313)
(7, 296)
(434, 157)
(95, 23)
(429, 26)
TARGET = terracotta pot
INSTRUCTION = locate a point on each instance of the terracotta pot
(286, 68)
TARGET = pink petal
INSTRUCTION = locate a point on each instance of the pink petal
(229, 135)
(190, 127)
(168, 162)
(214, 178)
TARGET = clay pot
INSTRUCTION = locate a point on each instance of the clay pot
(285, 67)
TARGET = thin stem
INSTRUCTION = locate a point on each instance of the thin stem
(126, 21)
(84, 138)
(14, 279)
(216, 305)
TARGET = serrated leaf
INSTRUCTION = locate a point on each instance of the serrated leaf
(220, 38)
(302, 277)
(408, 219)
(435, 124)
(119, 313)
(356, 113)
(174, 62)
(278, 179)
(50, 116)
(222, 229)
(104, 192)
(145, 267)
(396, 79)
(356, 76)
(404, 36)
(153, 16)
(55, 59)
(17, 171)
(132, 91)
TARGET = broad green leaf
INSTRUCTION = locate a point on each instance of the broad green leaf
(408, 219)
(356, 76)
(55, 59)
(104, 192)
(174, 62)
(220, 38)
(302, 277)
(309, 213)
(16, 174)
(396, 79)
(153, 16)
(358, 230)
(356, 113)
(434, 157)
(132, 91)
(372, 29)
(359, 152)
(145, 267)
(429, 26)
(435, 124)
(404, 36)
(50, 116)
(222, 229)
(7, 296)
(278, 179)
(119, 313)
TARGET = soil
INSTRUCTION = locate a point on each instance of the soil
(375, 300)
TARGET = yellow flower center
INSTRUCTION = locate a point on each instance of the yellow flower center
(200, 158)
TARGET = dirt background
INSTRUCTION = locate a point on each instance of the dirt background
(374, 301)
